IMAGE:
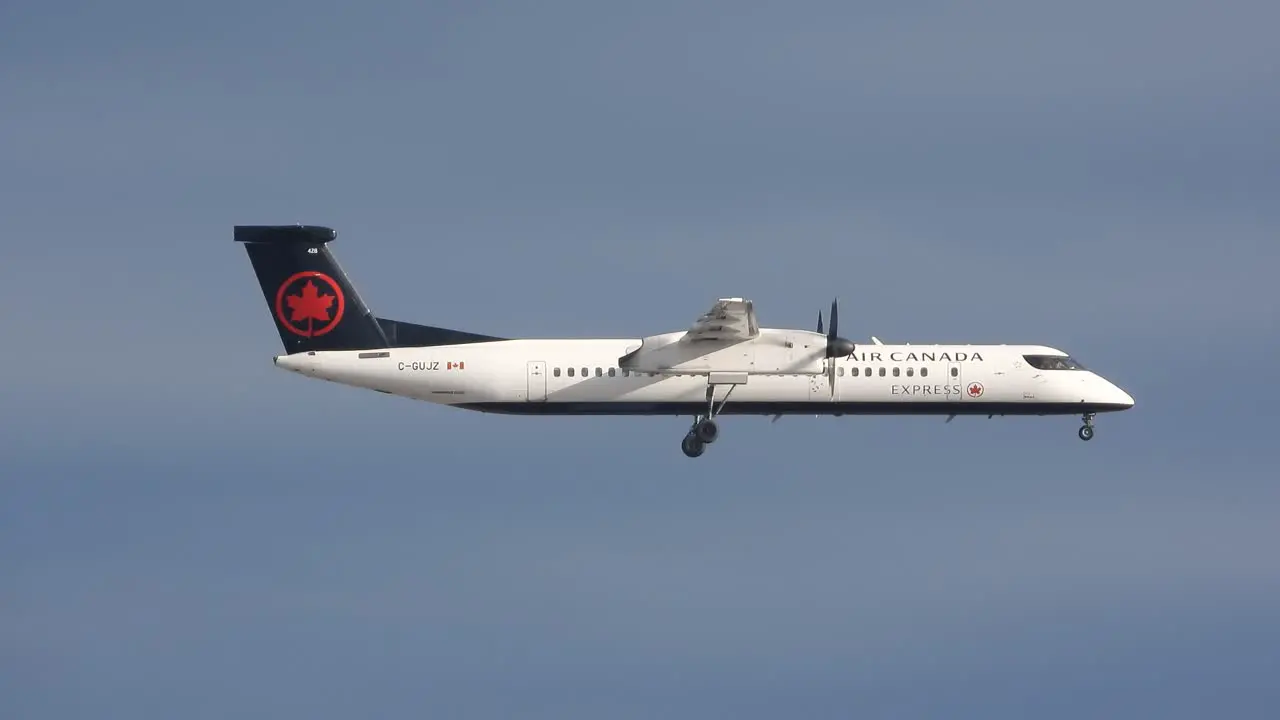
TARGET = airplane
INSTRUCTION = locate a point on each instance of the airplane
(722, 364)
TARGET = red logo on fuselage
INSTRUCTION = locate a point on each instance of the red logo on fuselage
(309, 303)
(975, 389)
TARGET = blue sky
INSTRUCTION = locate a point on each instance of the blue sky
(188, 531)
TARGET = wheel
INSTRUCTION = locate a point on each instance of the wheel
(692, 446)
(706, 430)
(1086, 432)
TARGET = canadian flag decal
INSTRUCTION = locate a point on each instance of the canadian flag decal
(454, 365)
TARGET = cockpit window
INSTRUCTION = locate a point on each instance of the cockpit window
(1053, 362)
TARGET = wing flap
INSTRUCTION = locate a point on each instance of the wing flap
(728, 320)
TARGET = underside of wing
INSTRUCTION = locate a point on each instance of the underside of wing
(729, 320)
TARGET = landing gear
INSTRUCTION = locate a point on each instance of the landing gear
(1086, 430)
(703, 433)
(705, 430)
(692, 446)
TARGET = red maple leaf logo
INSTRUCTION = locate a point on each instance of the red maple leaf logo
(310, 305)
(311, 312)
(975, 389)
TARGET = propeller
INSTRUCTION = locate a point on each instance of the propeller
(836, 345)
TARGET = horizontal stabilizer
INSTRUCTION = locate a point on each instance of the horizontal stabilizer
(284, 234)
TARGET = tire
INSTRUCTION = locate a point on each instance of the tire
(692, 446)
(707, 431)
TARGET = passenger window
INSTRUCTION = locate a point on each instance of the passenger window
(911, 372)
(584, 372)
(570, 372)
(599, 372)
(924, 372)
(613, 371)
(866, 372)
(897, 372)
(841, 372)
(955, 372)
(881, 372)
(556, 372)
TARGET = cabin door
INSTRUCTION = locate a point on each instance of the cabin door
(537, 381)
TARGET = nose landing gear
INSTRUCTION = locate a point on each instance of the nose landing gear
(1086, 430)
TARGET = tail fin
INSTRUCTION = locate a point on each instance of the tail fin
(314, 305)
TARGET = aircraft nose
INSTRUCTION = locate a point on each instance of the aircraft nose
(1122, 398)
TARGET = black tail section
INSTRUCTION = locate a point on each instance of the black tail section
(312, 302)
(314, 305)
(403, 334)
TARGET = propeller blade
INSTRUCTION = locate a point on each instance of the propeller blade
(836, 345)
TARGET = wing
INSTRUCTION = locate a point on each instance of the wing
(701, 348)
(729, 320)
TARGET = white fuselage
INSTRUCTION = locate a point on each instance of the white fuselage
(582, 377)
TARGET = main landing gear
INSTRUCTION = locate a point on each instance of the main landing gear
(704, 430)
(703, 433)
(1086, 430)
